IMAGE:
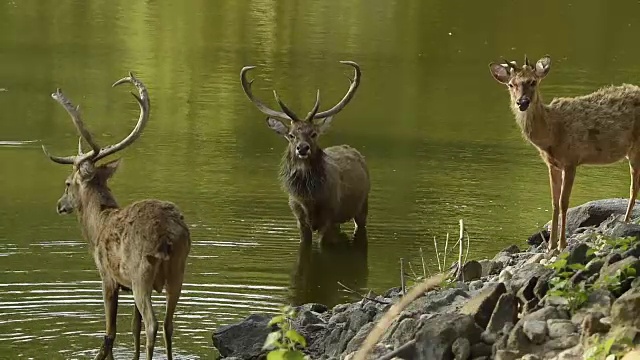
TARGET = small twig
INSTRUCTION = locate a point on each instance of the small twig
(383, 324)
(435, 243)
(407, 349)
(404, 290)
(466, 255)
(424, 267)
(461, 241)
(349, 290)
(444, 261)
(415, 276)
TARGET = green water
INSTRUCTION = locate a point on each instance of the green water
(434, 126)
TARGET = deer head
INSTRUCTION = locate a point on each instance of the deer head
(86, 174)
(522, 82)
(302, 134)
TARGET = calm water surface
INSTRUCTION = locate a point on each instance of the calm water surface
(435, 128)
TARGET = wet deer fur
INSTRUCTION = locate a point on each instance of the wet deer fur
(326, 187)
(141, 247)
(598, 128)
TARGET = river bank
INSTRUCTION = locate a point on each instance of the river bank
(521, 304)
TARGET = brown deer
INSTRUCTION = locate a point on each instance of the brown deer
(141, 247)
(599, 128)
(328, 186)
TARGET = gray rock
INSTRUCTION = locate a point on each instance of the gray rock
(592, 324)
(358, 339)
(525, 294)
(480, 349)
(507, 355)
(315, 307)
(610, 270)
(594, 266)
(612, 258)
(505, 276)
(626, 309)
(307, 317)
(405, 331)
(546, 313)
(563, 343)
(525, 273)
(536, 330)
(476, 285)
(358, 318)
(436, 336)
(578, 255)
(517, 339)
(340, 308)
(482, 305)
(598, 301)
(490, 267)
(558, 328)
(511, 249)
(243, 339)
(472, 270)
(438, 301)
(506, 311)
(461, 349)
(593, 213)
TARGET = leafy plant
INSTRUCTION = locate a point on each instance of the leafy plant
(613, 348)
(562, 286)
(285, 343)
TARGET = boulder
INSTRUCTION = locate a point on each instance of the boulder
(243, 339)
(482, 305)
(536, 330)
(436, 336)
(506, 311)
(626, 309)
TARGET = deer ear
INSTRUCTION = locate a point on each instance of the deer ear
(499, 72)
(86, 170)
(323, 124)
(278, 126)
(107, 170)
(543, 66)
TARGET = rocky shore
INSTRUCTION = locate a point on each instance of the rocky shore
(522, 304)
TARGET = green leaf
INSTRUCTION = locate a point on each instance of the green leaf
(295, 337)
(576, 266)
(277, 354)
(631, 271)
(608, 344)
(276, 319)
(272, 340)
(591, 251)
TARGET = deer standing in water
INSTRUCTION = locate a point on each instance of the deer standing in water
(327, 186)
(141, 247)
(599, 128)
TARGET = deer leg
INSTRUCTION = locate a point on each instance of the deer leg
(306, 235)
(568, 175)
(173, 289)
(361, 218)
(555, 182)
(110, 297)
(634, 169)
(142, 297)
(136, 327)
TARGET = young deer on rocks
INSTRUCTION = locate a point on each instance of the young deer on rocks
(328, 186)
(599, 128)
(141, 247)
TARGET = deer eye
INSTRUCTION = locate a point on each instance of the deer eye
(533, 83)
(290, 136)
(314, 135)
(67, 183)
(510, 85)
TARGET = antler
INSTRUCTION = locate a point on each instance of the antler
(96, 152)
(314, 114)
(246, 86)
(510, 65)
(345, 100)
(526, 61)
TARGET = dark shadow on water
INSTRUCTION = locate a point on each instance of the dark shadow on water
(319, 268)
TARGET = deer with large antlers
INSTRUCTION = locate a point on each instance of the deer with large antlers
(141, 247)
(327, 186)
(599, 128)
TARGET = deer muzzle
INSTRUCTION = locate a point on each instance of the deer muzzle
(62, 208)
(302, 150)
(523, 103)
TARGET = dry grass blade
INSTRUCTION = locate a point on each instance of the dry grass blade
(384, 323)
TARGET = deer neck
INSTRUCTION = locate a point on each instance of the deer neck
(304, 178)
(534, 122)
(96, 203)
